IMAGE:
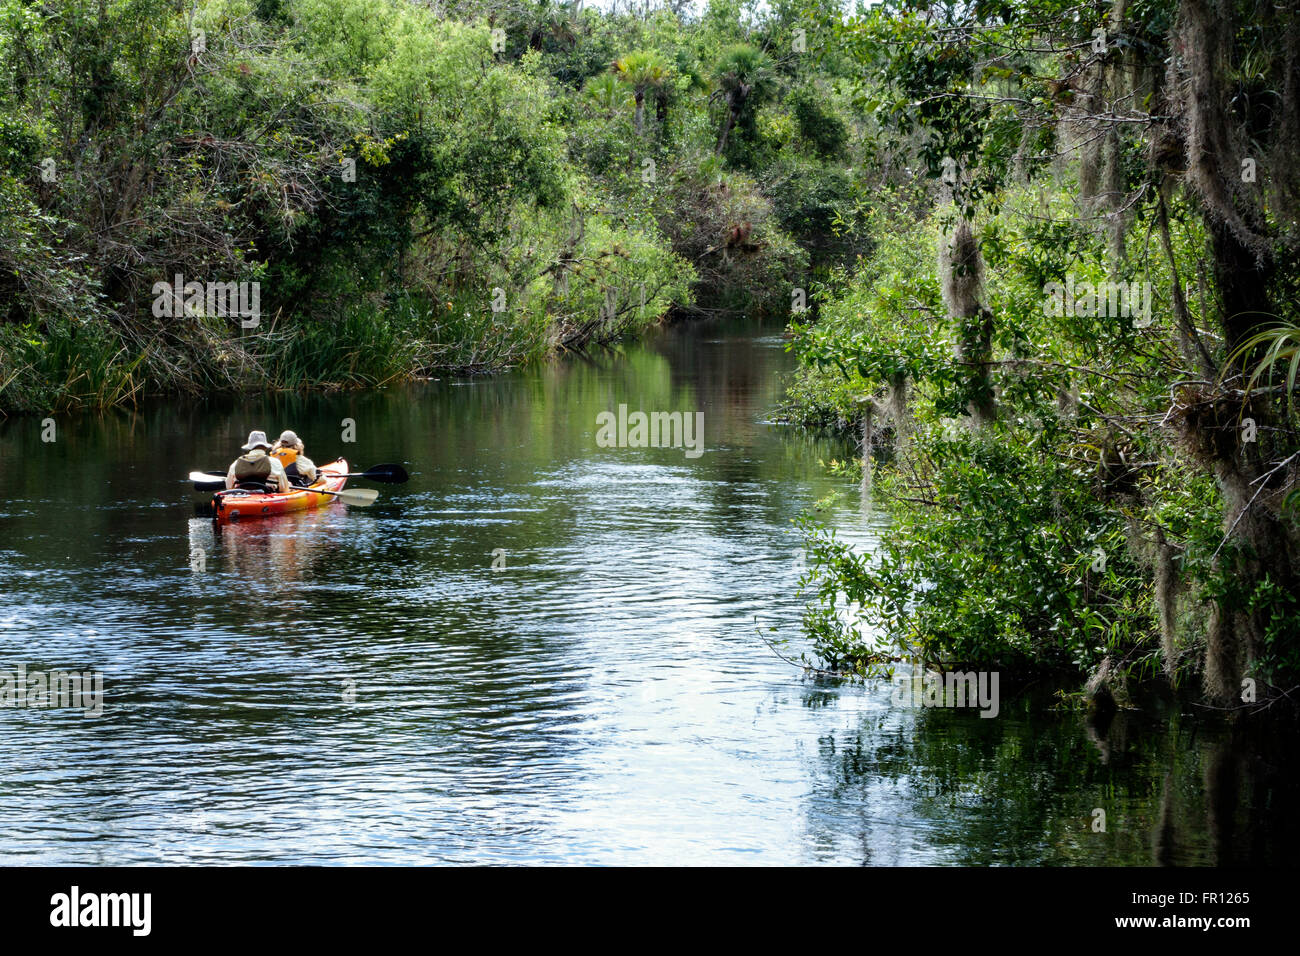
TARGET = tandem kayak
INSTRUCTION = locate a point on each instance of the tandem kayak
(236, 505)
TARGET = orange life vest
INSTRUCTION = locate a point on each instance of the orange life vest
(287, 456)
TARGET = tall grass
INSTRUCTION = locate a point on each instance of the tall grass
(66, 364)
(356, 349)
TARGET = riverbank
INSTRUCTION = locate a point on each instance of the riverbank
(316, 194)
(66, 366)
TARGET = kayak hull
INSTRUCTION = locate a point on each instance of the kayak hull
(234, 506)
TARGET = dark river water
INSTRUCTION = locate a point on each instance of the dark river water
(365, 686)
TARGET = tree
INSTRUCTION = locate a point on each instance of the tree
(642, 71)
(745, 79)
(605, 93)
(1185, 114)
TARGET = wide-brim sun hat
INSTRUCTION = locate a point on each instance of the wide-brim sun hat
(256, 440)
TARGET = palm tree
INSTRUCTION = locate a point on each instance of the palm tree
(605, 93)
(745, 78)
(642, 71)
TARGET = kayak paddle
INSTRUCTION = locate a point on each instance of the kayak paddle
(361, 497)
(388, 474)
(207, 480)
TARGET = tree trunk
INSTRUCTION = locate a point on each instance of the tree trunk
(735, 102)
(961, 272)
(728, 121)
(1242, 279)
(1258, 549)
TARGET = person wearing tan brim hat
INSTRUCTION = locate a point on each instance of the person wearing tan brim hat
(257, 466)
(291, 452)
(257, 440)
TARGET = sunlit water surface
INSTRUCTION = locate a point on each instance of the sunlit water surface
(364, 686)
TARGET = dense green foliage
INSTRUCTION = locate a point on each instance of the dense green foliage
(413, 187)
(1099, 481)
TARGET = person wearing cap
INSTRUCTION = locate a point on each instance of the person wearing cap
(257, 465)
(290, 450)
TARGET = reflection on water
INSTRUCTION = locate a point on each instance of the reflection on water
(363, 685)
(946, 786)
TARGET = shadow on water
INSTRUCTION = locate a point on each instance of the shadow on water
(945, 785)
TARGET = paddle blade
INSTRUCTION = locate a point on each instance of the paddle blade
(388, 474)
(360, 497)
(206, 481)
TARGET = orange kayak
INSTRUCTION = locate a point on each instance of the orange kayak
(242, 505)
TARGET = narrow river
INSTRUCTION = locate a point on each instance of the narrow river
(538, 650)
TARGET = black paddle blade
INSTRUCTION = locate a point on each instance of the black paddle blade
(388, 474)
(208, 480)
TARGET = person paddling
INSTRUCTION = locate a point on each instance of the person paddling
(291, 453)
(257, 465)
